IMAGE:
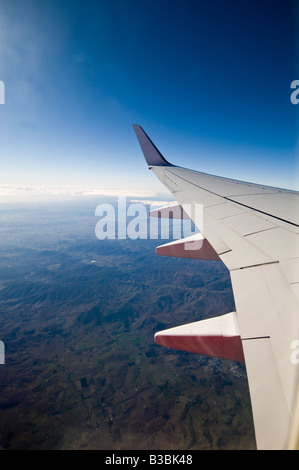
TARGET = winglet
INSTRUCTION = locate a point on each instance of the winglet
(152, 155)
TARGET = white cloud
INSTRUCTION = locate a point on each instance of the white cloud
(23, 193)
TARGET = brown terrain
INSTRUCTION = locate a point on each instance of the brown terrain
(78, 317)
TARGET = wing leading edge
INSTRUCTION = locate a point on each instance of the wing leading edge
(254, 230)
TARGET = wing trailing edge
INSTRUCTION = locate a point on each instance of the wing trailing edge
(174, 211)
(216, 337)
(194, 247)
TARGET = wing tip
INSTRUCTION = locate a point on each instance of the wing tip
(151, 154)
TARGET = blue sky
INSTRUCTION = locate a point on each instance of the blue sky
(208, 81)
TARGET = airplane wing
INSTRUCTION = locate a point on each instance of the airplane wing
(253, 230)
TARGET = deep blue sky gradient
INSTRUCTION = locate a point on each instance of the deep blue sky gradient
(208, 81)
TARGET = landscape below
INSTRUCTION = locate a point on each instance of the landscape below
(78, 317)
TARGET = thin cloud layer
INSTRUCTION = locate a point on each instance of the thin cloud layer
(34, 193)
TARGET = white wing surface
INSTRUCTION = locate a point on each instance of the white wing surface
(253, 230)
